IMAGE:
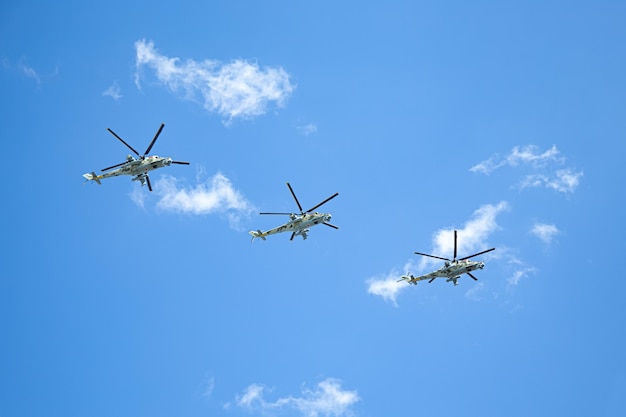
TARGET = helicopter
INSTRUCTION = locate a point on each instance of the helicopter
(298, 224)
(451, 270)
(136, 167)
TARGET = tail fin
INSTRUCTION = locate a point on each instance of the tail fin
(92, 177)
(256, 234)
(408, 278)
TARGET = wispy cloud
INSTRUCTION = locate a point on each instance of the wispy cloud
(21, 68)
(214, 196)
(545, 232)
(209, 387)
(113, 91)
(387, 286)
(138, 196)
(526, 155)
(519, 274)
(475, 292)
(541, 164)
(564, 181)
(328, 398)
(239, 89)
(30, 72)
(307, 129)
(471, 238)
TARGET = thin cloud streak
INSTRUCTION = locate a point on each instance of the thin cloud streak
(113, 91)
(475, 293)
(30, 73)
(239, 89)
(519, 156)
(518, 275)
(307, 129)
(328, 398)
(209, 387)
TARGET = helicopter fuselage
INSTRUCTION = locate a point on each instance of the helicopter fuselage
(136, 167)
(452, 270)
(458, 268)
(299, 225)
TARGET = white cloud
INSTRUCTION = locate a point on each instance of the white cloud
(215, 195)
(327, 399)
(113, 91)
(544, 231)
(528, 155)
(252, 396)
(239, 89)
(566, 180)
(388, 287)
(541, 166)
(471, 238)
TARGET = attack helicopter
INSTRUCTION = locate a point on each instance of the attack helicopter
(136, 167)
(299, 223)
(451, 270)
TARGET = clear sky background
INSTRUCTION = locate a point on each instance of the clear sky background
(502, 120)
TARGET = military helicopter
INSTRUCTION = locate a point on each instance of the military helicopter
(298, 224)
(138, 168)
(451, 270)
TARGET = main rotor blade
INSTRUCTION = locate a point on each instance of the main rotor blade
(122, 140)
(431, 280)
(154, 140)
(473, 277)
(323, 202)
(330, 225)
(432, 256)
(454, 245)
(114, 166)
(284, 214)
(292, 236)
(476, 254)
(294, 197)
(148, 181)
(180, 162)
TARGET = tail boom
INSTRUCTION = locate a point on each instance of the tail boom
(408, 278)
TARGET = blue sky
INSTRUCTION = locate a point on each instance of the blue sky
(502, 120)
